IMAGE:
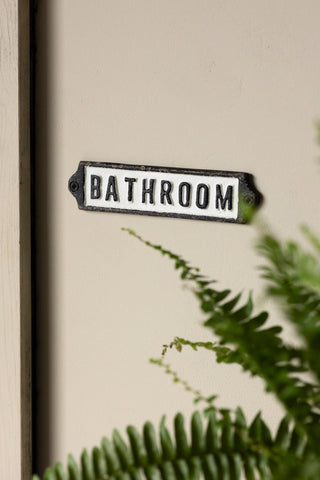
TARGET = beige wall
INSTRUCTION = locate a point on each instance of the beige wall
(206, 84)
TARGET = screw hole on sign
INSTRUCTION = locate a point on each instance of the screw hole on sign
(74, 186)
(249, 199)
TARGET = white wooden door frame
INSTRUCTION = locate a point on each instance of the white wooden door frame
(15, 243)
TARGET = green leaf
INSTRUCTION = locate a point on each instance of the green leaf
(87, 466)
(111, 457)
(182, 469)
(137, 446)
(99, 463)
(73, 469)
(210, 468)
(59, 472)
(227, 434)
(212, 434)
(150, 441)
(283, 436)
(250, 464)
(123, 451)
(183, 448)
(197, 435)
(168, 471)
(49, 474)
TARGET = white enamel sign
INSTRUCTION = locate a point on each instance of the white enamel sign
(185, 193)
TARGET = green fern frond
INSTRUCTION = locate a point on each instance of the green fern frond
(311, 237)
(294, 278)
(219, 446)
(256, 348)
(309, 469)
(223, 354)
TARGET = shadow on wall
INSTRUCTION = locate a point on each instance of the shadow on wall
(42, 367)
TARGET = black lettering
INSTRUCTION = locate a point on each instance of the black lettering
(130, 187)
(112, 190)
(147, 190)
(95, 187)
(223, 200)
(202, 198)
(166, 188)
(184, 194)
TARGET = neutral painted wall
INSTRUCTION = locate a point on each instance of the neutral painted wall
(206, 84)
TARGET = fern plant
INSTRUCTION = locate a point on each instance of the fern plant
(220, 444)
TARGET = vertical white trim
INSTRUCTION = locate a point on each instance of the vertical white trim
(15, 288)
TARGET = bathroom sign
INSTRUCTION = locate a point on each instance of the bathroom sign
(172, 192)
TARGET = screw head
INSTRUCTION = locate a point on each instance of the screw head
(74, 186)
(249, 199)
